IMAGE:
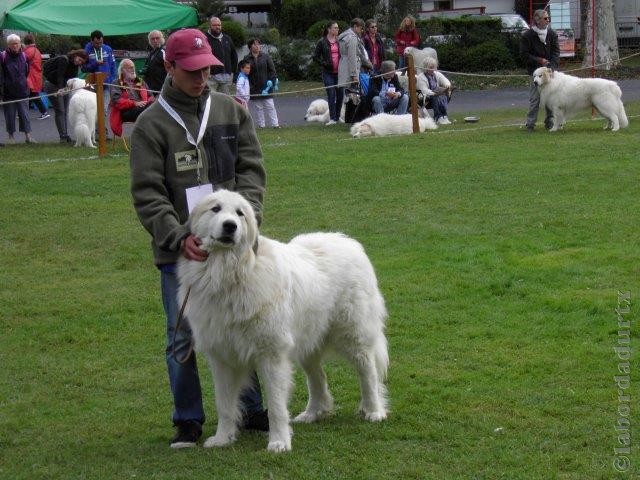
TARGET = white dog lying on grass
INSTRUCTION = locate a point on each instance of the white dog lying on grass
(259, 304)
(83, 108)
(318, 111)
(384, 124)
(565, 94)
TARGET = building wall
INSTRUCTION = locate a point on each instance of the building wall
(493, 6)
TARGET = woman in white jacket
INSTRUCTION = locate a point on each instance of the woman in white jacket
(436, 89)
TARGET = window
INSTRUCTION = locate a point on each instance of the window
(442, 5)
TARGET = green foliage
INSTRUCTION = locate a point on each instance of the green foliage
(489, 56)
(236, 31)
(208, 8)
(57, 44)
(272, 37)
(293, 60)
(475, 44)
(296, 16)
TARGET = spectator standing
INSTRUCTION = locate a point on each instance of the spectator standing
(373, 45)
(352, 53)
(101, 59)
(34, 80)
(57, 71)
(386, 92)
(191, 141)
(129, 99)
(153, 71)
(436, 89)
(15, 71)
(539, 48)
(243, 89)
(262, 71)
(225, 51)
(327, 54)
(406, 36)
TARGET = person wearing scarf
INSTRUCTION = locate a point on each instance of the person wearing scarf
(129, 99)
(539, 48)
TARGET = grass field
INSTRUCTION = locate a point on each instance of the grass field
(501, 255)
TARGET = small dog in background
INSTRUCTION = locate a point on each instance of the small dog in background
(82, 113)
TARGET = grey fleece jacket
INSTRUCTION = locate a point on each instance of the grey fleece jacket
(230, 155)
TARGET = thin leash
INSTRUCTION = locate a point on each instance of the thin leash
(175, 331)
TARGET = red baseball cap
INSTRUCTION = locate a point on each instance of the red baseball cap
(190, 49)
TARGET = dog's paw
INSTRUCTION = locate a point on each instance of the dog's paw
(311, 416)
(279, 446)
(219, 441)
(375, 416)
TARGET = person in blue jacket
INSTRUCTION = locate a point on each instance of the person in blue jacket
(101, 59)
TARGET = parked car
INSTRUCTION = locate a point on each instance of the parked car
(511, 22)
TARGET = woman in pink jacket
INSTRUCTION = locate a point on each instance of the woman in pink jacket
(406, 36)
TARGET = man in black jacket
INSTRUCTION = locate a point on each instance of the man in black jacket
(386, 93)
(539, 48)
(225, 51)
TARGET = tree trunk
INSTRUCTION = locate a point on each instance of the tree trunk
(605, 55)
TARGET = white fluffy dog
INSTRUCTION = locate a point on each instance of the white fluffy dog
(82, 113)
(565, 94)
(256, 304)
(318, 111)
(384, 124)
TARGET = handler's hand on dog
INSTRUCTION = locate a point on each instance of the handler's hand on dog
(191, 249)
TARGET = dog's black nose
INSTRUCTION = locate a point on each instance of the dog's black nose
(229, 226)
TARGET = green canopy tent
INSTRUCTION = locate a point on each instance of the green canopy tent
(81, 17)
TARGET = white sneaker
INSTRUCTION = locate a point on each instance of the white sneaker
(330, 122)
(443, 121)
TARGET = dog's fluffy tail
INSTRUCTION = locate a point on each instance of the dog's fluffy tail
(83, 135)
(622, 115)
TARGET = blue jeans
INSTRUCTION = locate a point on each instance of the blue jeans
(183, 377)
(439, 105)
(399, 104)
(335, 94)
(22, 109)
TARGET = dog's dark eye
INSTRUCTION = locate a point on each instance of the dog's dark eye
(215, 209)
(240, 213)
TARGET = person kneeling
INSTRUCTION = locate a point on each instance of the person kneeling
(129, 99)
(387, 94)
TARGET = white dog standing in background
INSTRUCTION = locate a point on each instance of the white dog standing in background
(82, 113)
(257, 304)
(419, 56)
(565, 94)
(384, 124)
